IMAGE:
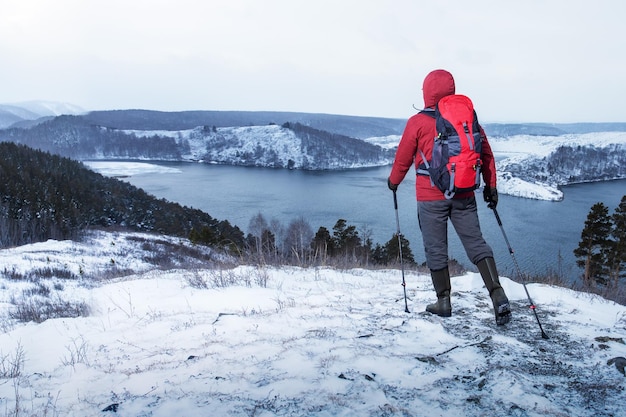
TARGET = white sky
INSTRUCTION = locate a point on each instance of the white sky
(530, 61)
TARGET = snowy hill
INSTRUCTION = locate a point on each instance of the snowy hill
(272, 146)
(253, 341)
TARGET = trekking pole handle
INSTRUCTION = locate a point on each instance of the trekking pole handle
(395, 200)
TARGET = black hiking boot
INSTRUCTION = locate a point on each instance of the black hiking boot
(501, 306)
(441, 282)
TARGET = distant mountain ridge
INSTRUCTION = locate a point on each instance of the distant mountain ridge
(550, 129)
(358, 127)
(353, 126)
(26, 114)
(28, 111)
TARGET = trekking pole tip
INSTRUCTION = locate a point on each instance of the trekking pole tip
(544, 335)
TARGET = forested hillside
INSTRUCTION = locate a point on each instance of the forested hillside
(74, 137)
(292, 145)
(45, 196)
(572, 164)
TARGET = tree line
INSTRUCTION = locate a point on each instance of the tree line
(574, 164)
(271, 242)
(74, 137)
(601, 252)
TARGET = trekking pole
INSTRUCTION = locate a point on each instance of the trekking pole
(395, 203)
(519, 273)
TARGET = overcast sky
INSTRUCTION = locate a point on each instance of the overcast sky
(523, 61)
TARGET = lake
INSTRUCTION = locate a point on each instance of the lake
(543, 234)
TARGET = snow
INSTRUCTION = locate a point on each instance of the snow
(256, 145)
(128, 168)
(265, 341)
(247, 138)
(542, 146)
(385, 142)
(517, 187)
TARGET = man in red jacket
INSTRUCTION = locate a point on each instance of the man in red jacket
(434, 209)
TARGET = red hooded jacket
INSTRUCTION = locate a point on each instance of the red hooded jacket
(419, 134)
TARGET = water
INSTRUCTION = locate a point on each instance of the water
(543, 234)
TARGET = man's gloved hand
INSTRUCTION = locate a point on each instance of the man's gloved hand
(491, 196)
(392, 186)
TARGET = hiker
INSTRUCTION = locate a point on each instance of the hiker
(435, 207)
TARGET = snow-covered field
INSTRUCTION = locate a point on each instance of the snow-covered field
(261, 341)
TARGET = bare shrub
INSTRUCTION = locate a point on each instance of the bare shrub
(165, 254)
(196, 280)
(261, 277)
(77, 353)
(114, 272)
(43, 273)
(40, 289)
(223, 279)
(13, 274)
(38, 310)
(11, 366)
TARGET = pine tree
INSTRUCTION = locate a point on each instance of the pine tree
(322, 244)
(617, 256)
(392, 251)
(592, 249)
(346, 238)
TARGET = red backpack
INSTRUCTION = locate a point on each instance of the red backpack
(455, 163)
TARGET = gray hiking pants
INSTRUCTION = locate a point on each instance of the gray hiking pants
(433, 221)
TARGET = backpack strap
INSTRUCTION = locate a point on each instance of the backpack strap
(423, 168)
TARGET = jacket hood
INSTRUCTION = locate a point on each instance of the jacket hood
(437, 84)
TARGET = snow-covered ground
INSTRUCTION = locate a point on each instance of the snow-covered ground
(255, 341)
(541, 146)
